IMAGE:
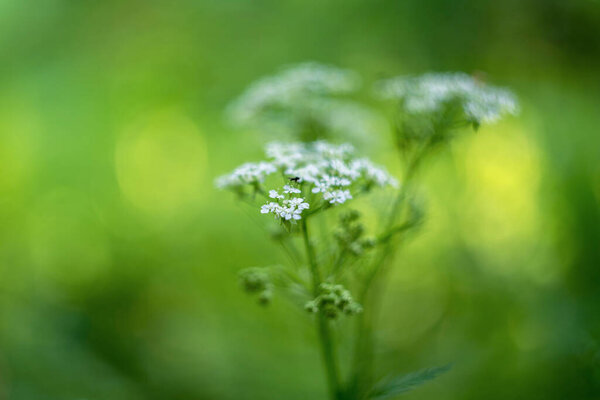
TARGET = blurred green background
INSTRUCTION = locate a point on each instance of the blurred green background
(118, 258)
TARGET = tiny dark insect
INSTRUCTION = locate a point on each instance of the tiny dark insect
(295, 179)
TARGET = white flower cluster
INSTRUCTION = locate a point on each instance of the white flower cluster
(430, 92)
(327, 169)
(290, 86)
(345, 119)
(288, 209)
(319, 172)
(249, 173)
(304, 101)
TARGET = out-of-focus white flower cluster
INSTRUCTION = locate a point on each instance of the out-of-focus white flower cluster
(303, 100)
(429, 93)
(248, 173)
(314, 173)
(346, 119)
(283, 89)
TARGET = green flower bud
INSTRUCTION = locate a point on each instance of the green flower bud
(311, 306)
(257, 281)
(349, 216)
(254, 280)
(356, 248)
(265, 297)
(353, 309)
(356, 230)
(369, 243)
(333, 300)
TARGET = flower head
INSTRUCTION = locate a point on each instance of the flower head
(430, 93)
(304, 101)
(290, 85)
(318, 174)
(288, 209)
(290, 189)
(337, 196)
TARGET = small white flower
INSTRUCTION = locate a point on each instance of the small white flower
(342, 182)
(290, 189)
(308, 173)
(285, 155)
(297, 202)
(321, 186)
(288, 209)
(327, 150)
(489, 105)
(275, 195)
(337, 181)
(270, 208)
(373, 174)
(291, 213)
(337, 196)
(342, 169)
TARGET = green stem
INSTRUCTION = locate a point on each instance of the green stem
(363, 352)
(325, 337)
(391, 219)
(339, 262)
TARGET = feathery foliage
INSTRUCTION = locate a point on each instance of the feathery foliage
(394, 386)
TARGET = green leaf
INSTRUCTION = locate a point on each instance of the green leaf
(397, 385)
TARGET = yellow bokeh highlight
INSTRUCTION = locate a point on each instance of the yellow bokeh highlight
(502, 168)
(160, 161)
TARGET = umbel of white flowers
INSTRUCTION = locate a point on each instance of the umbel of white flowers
(314, 175)
(304, 101)
(429, 93)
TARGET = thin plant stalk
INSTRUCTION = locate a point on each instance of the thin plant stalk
(327, 344)
(369, 298)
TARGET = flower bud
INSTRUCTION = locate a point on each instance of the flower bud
(349, 216)
(332, 301)
(254, 280)
(257, 281)
(265, 297)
